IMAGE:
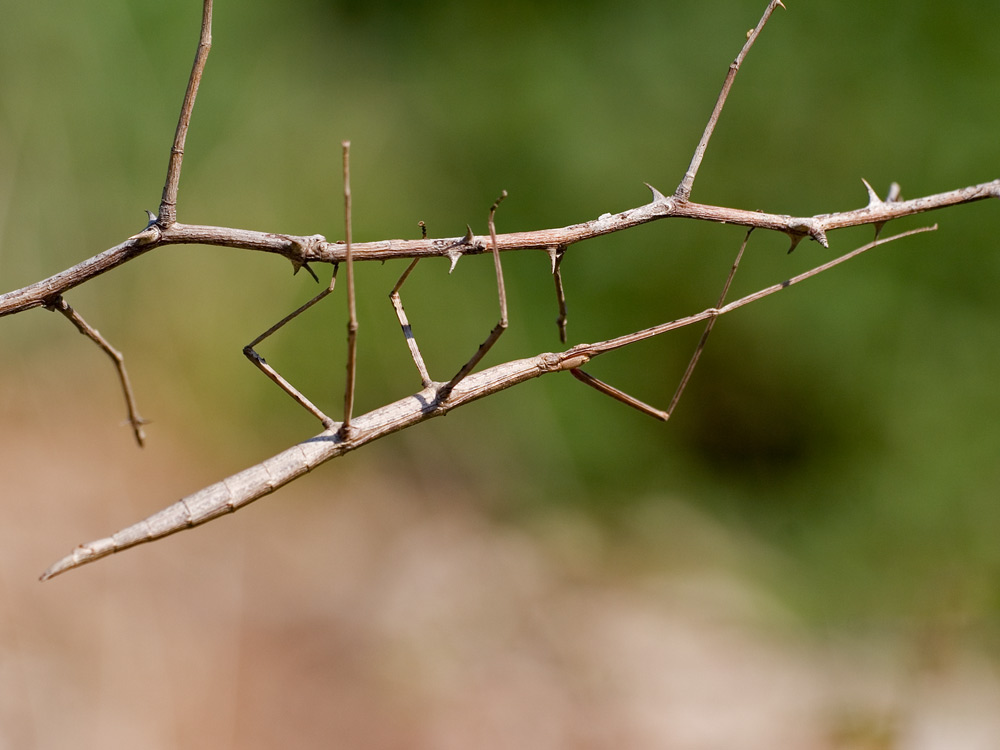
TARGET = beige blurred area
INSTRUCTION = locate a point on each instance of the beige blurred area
(360, 609)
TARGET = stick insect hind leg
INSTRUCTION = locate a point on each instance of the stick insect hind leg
(352, 327)
(645, 408)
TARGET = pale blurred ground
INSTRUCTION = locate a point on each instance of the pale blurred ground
(358, 609)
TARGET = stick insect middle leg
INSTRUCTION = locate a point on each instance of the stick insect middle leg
(397, 304)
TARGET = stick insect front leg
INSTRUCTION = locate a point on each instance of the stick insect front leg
(645, 408)
(352, 327)
(273, 374)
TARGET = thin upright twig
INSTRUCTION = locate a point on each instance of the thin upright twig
(683, 191)
(168, 204)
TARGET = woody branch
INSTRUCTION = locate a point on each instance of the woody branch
(301, 250)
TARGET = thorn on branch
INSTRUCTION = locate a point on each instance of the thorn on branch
(875, 203)
(806, 228)
(301, 249)
(873, 200)
(151, 232)
(298, 265)
(658, 197)
(453, 253)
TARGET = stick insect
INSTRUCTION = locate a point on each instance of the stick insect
(260, 480)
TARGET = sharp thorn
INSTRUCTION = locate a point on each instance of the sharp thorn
(796, 239)
(873, 199)
(299, 265)
(452, 253)
(894, 193)
(658, 197)
(553, 252)
(151, 232)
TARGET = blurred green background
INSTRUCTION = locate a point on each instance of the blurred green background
(850, 426)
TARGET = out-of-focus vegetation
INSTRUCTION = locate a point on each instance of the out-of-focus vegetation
(850, 424)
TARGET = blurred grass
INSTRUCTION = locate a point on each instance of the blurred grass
(850, 423)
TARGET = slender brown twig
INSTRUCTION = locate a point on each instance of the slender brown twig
(168, 204)
(61, 306)
(683, 191)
